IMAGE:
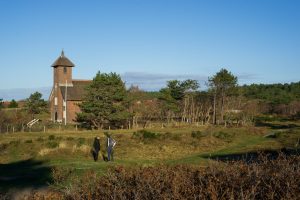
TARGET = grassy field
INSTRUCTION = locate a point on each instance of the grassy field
(33, 159)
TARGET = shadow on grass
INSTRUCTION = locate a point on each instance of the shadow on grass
(24, 174)
(276, 126)
(253, 157)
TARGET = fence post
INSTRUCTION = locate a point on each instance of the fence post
(76, 128)
(59, 128)
(44, 129)
(13, 129)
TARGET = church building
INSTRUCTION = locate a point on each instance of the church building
(66, 92)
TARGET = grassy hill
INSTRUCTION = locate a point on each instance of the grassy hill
(57, 157)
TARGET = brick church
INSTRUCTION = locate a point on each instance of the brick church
(66, 92)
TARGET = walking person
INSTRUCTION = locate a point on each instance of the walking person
(96, 148)
(110, 148)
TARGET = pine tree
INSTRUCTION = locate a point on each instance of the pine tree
(221, 83)
(13, 104)
(105, 102)
(35, 104)
(1, 104)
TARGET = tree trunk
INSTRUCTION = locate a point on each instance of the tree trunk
(214, 112)
(222, 107)
(183, 116)
(207, 116)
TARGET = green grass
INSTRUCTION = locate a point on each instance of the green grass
(241, 144)
(185, 145)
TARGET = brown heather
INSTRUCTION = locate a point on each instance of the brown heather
(264, 179)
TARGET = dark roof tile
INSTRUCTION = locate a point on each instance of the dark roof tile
(62, 61)
(77, 91)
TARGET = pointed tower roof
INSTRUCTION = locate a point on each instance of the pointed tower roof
(62, 61)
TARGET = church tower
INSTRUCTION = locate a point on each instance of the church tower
(62, 68)
(62, 79)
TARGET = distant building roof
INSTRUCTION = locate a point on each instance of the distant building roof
(62, 61)
(77, 91)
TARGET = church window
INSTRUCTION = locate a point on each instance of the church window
(65, 70)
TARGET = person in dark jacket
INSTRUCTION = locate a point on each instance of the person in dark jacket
(96, 148)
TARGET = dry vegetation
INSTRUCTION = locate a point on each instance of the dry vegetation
(264, 179)
(158, 163)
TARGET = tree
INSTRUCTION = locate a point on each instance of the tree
(105, 102)
(169, 105)
(173, 95)
(13, 104)
(188, 104)
(35, 104)
(178, 89)
(144, 107)
(1, 104)
(203, 107)
(221, 83)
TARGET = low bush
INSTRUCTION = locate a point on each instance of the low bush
(264, 179)
(40, 139)
(222, 135)
(51, 137)
(267, 179)
(14, 142)
(3, 146)
(52, 144)
(198, 134)
(69, 138)
(145, 135)
(80, 141)
(59, 138)
(60, 175)
(172, 136)
(28, 141)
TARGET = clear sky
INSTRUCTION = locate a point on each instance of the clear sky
(150, 41)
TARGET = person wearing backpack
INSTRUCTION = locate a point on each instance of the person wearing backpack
(110, 148)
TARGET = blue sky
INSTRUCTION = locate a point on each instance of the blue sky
(150, 41)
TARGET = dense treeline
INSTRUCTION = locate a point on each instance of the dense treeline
(223, 101)
(109, 105)
(273, 93)
(183, 102)
(279, 99)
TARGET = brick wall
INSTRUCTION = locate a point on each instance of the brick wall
(59, 107)
(72, 109)
(60, 76)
